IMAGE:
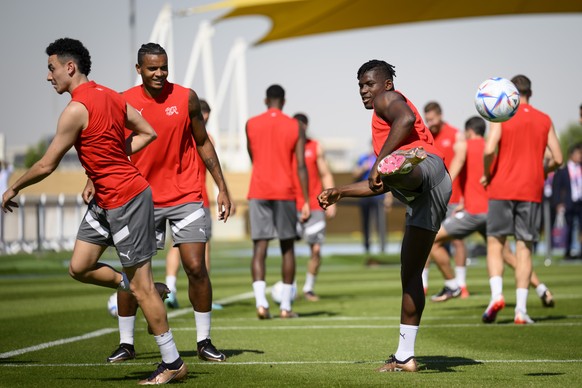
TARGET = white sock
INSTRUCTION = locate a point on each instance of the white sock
(167, 347)
(451, 284)
(541, 289)
(461, 276)
(124, 284)
(496, 284)
(406, 342)
(425, 278)
(126, 327)
(171, 283)
(521, 300)
(309, 282)
(260, 298)
(202, 325)
(286, 291)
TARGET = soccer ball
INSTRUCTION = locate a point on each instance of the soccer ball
(497, 99)
(112, 305)
(277, 290)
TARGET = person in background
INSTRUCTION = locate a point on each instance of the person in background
(313, 230)
(445, 138)
(515, 194)
(273, 141)
(371, 208)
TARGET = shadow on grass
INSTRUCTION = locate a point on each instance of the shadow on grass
(137, 375)
(544, 374)
(227, 352)
(535, 318)
(444, 363)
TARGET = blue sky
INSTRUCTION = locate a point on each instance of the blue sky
(443, 61)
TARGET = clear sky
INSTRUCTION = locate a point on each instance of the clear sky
(443, 61)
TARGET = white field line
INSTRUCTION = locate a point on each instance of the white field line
(230, 363)
(63, 341)
(245, 296)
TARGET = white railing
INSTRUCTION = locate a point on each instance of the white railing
(41, 223)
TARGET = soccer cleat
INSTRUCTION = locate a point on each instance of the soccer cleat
(522, 318)
(494, 307)
(446, 294)
(393, 365)
(123, 353)
(310, 296)
(217, 306)
(163, 375)
(547, 299)
(263, 312)
(401, 161)
(288, 314)
(464, 292)
(171, 301)
(207, 351)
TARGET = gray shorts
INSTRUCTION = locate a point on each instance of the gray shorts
(426, 209)
(208, 223)
(129, 228)
(188, 223)
(272, 219)
(313, 230)
(462, 224)
(514, 218)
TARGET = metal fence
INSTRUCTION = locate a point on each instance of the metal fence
(42, 222)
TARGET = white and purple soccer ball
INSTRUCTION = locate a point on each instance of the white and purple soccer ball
(277, 290)
(497, 99)
(112, 305)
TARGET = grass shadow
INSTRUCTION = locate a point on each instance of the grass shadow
(444, 363)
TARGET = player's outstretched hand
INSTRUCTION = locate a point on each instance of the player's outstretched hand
(328, 197)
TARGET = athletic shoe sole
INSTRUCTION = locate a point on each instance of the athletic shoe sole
(401, 162)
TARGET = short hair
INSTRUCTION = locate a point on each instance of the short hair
(151, 49)
(523, 84)
(433, 106)
(386, 69)
(275, 92)
(204, 107)
(302, 117)
(477, 124)
(71, 49)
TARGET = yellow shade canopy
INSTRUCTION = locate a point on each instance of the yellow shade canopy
(296, 18)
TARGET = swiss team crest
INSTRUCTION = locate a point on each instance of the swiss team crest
(172, 110)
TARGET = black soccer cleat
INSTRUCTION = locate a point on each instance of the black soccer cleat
(207, 351)
(446, 294)
(547, 299)
(123, 353)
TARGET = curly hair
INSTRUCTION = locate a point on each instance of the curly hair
(73, 49)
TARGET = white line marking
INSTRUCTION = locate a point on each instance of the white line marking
(63, 341)
(230, 363)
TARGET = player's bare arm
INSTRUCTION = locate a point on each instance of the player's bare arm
(302, 173)
(460, 149)
(331, 196)
(392, 108)
(489, 151)
(72, 121)
(207, 152)
(143, 132)
(556, 158)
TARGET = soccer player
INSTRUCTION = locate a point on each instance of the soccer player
(121, 212)
(170, 167)
(445, 138)
(472, 215)
(412, 168)
(313, 230)
(273, 140)
(515, 194)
